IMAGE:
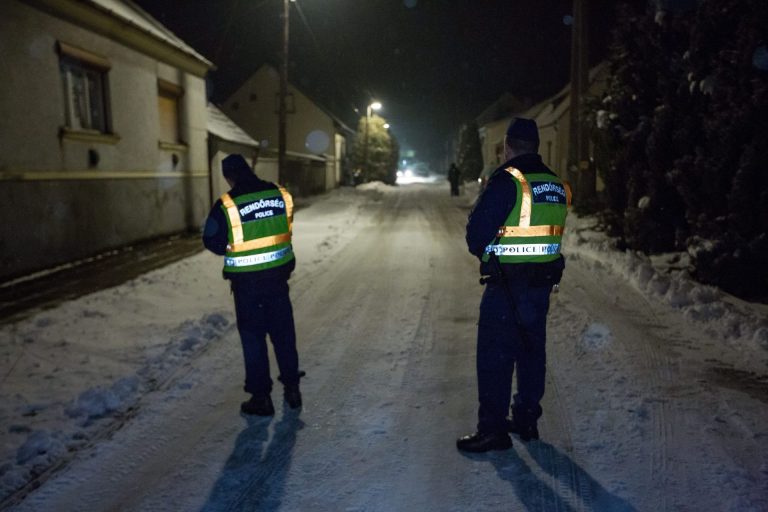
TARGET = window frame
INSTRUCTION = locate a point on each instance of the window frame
(169, 90)
(93, 72)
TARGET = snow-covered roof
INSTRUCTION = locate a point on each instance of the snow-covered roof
(224, 128)
(272, 153)
(134, 15)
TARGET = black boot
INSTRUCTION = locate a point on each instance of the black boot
(291, 392)
(258, 406)
(292, 395)
(523, 422)
(526, 432)
(478, 442)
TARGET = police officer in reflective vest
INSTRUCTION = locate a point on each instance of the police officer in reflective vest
(515, 229)
(251, 227)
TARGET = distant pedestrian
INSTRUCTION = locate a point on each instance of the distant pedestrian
(251, 227)
(454, 177)
(515, 229)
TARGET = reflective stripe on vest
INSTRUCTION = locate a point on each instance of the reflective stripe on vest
(234, 219)
(530, 231)
(525, 207)
(288, 206)
(545, 239)
(523, 249)
(256, 259)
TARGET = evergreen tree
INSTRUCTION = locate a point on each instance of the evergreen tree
(683, 136)
(375, 151)
(470, 155)
(728, 209)
(638, 125)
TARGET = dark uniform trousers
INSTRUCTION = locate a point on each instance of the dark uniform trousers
(500, 350)
(264, 309)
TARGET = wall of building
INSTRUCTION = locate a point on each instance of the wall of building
(66, 206)
(492, 142)
(254, 108)
(266, 169)
(554, 133)
(220, 149)
(552, 116)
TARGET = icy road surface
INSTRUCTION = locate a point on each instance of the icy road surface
(646, 407)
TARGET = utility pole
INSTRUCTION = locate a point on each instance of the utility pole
(580, 171)
(282, 110)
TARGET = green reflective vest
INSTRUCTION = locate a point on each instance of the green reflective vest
(259, 230)
(533, 230)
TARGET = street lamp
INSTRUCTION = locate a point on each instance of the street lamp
(371, 106)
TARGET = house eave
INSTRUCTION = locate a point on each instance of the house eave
(99, 20)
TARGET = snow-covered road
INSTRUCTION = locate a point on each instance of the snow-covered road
(646, 407)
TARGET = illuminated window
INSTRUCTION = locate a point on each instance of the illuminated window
(168, 96)
(84, 78)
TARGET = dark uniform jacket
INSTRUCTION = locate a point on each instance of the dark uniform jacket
(491, 212)
(216, 235)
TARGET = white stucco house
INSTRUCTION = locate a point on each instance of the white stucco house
(316, 141)
(102, 131)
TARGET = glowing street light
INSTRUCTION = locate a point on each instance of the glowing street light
(376, 106)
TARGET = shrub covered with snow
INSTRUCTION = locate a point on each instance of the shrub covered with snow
(680, 138)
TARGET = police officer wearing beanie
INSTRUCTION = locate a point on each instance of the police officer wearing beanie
(251, 227)
(515, 230)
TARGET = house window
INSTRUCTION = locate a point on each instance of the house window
(84, 78)
(168, 99)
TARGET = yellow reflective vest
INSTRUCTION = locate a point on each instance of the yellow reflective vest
(259, 230)
(533, 230)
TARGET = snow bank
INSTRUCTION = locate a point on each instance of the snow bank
(667, 279)
(376, 186)
(79, 368)
(99, 402)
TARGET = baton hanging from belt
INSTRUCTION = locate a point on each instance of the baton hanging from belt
(527, 345)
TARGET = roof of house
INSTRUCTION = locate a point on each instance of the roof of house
(224, 128)
(551, 109)
(546, 111)
(505, 106)
(130, 13)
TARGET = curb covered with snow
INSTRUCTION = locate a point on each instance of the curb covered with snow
(724, 316)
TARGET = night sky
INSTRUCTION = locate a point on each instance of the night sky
(432, 63)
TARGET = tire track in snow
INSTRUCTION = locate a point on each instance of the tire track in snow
(564, 475)
(630, 318)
